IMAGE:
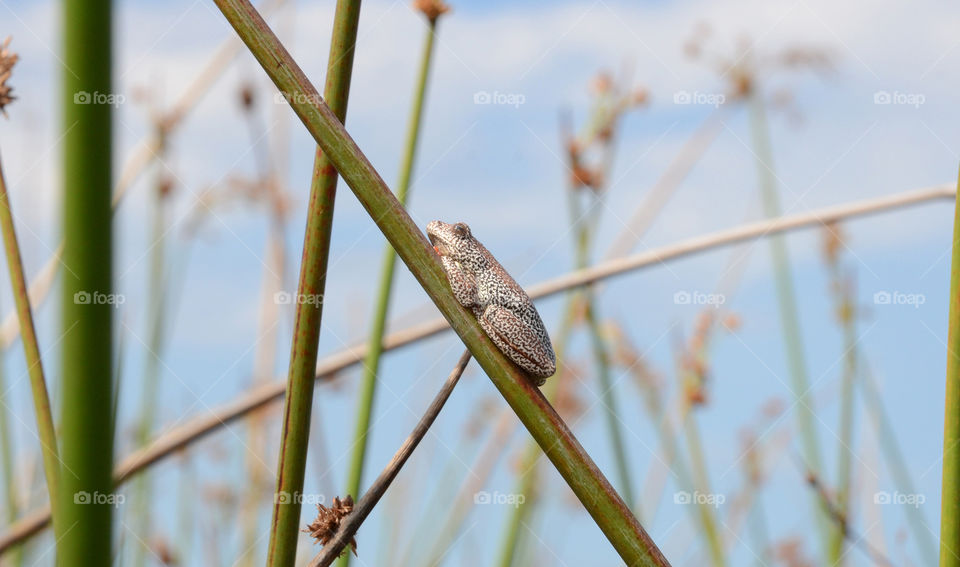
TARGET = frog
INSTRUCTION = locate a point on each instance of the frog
(503, 309)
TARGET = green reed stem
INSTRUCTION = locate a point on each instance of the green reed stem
(87, 376)
(950, 492)
(285, 526)
(31, 349)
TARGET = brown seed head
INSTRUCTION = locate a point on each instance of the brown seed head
(432, 9)
(246, 97)
(832, 242)
(327, 522)
(7, 60)
(640, 96)
(601, 84)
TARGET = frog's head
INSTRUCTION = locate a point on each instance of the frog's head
(453, 241)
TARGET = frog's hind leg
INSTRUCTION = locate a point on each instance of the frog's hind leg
(519, 341)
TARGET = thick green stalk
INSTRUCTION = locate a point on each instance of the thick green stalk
(793, 342)
(31, 350)
(610, 513)
(85, 488)
(285, 526)
(950, 492)
(371, 364)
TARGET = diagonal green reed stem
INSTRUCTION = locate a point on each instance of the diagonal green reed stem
(793, 342)
(86, 425)
(31, 350)
(371, 364)
(285, 526)
(541, 420)
(950, 491)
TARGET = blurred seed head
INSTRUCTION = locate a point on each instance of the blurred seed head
(639, 97)
(613, 98)
(791, 553)
(165, 186)
(832, 242)
(732, 322)
(432, 9)
(752, 456)
(601, 84)
(773, 408)
(7, 60)
(160, 548)
(745, 65)
(247, 97)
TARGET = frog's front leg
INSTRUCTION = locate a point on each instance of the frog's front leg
(463, 283)
(520, 341)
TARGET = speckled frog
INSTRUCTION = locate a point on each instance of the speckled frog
(502, 308)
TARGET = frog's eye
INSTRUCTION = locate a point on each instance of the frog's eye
(461, 229)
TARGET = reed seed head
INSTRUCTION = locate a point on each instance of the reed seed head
(432, 9)
(327, 522)
(7, 60)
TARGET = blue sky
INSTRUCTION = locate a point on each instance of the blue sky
(498, 168)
